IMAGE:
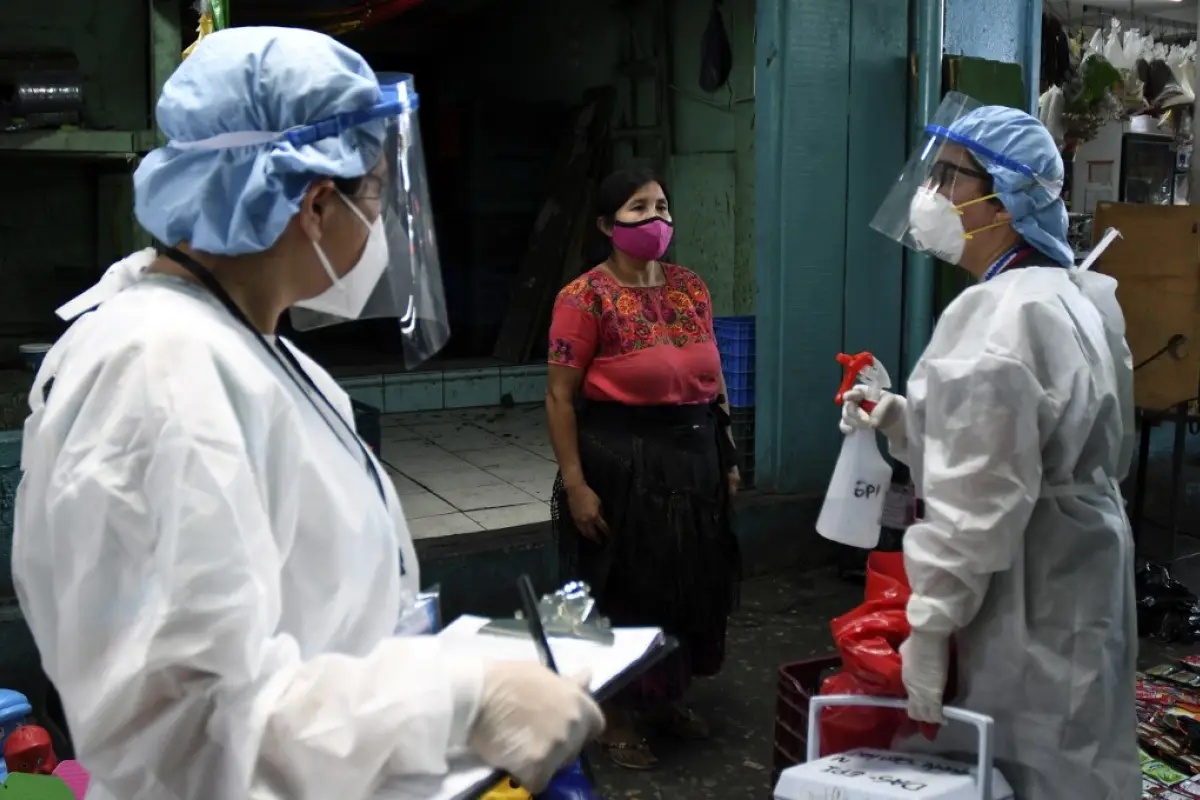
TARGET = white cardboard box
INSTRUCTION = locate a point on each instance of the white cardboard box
(868, 774)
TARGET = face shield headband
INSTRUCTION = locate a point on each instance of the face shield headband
(409, 290)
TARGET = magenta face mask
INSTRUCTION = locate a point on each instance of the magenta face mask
(645, 241)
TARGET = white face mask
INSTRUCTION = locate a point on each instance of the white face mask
(936, 226)
(348, 295)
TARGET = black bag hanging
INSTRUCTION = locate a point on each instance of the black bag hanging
(716, 55)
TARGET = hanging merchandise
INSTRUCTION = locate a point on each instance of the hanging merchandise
(1057, 65)
(1052, 107)
(214, 16)
(716, 54)
(853, 509)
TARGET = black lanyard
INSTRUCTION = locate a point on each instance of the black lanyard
(286, 360)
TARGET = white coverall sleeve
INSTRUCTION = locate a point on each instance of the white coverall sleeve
(161, 628)
(981, 476)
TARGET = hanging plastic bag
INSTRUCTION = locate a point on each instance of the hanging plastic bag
(716, 54)
(1114, 50)
(869, 639)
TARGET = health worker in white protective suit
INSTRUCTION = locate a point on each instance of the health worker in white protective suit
(211, 560)
(1017, 426)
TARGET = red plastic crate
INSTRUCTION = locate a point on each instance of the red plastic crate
(799, 682)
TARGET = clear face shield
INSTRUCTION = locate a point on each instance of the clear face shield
(398, 274)
(402, 277)
(928, 207)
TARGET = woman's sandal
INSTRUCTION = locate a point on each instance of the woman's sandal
(630, 755)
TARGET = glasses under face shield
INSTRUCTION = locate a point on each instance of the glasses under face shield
(947, 174)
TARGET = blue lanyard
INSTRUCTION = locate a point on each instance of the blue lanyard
(1005, 261)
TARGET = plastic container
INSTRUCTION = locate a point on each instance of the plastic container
(14, 712)
(737, 346)
(799, 682)
(33, 354)
(868, 774)
(74, 776)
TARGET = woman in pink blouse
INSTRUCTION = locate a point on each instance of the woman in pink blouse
(640, 427)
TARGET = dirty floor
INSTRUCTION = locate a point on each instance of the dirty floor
(783, 618)
(786, 618)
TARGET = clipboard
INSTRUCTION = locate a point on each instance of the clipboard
(469, 780)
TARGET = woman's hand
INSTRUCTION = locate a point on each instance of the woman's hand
(735, 481)
(585, 511)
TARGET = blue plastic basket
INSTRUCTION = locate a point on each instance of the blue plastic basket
(736, 343)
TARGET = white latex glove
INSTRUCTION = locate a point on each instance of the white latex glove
(925, 667)
(887, 416)
(532, 722)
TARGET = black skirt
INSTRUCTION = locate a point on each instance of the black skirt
(671, 558)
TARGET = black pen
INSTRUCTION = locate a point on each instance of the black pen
(533, 618)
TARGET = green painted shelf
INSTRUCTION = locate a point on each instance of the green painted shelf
(78, 142)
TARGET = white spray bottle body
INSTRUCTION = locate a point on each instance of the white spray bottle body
(853, 509)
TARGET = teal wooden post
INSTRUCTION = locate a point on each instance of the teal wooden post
(802, 106)
(919, 271)
(877, 150)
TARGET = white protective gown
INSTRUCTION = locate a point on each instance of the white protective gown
(1020, 424)
(211, 575)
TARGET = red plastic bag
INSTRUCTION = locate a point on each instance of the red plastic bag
(869, 639)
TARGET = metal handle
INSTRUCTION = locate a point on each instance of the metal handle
(983, 725)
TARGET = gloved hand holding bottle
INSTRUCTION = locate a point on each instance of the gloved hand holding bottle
(888, 416)
(532, 722)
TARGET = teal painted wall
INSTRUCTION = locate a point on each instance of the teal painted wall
(999, 30)
(830, 137)
(712, 169)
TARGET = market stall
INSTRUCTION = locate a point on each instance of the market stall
(1118, 95)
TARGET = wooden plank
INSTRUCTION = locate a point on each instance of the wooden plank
(1157, 264)
(541, 269)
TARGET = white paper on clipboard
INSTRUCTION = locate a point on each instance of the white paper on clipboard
(607, 662)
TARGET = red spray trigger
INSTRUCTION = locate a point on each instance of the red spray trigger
(851, 367)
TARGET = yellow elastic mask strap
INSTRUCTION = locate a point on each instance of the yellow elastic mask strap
(971, 234)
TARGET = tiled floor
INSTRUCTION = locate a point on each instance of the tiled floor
(470, 470)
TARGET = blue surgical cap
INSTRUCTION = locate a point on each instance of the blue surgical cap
(237, 200)
(1037, 209)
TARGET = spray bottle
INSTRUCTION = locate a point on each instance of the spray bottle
(853, 505)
